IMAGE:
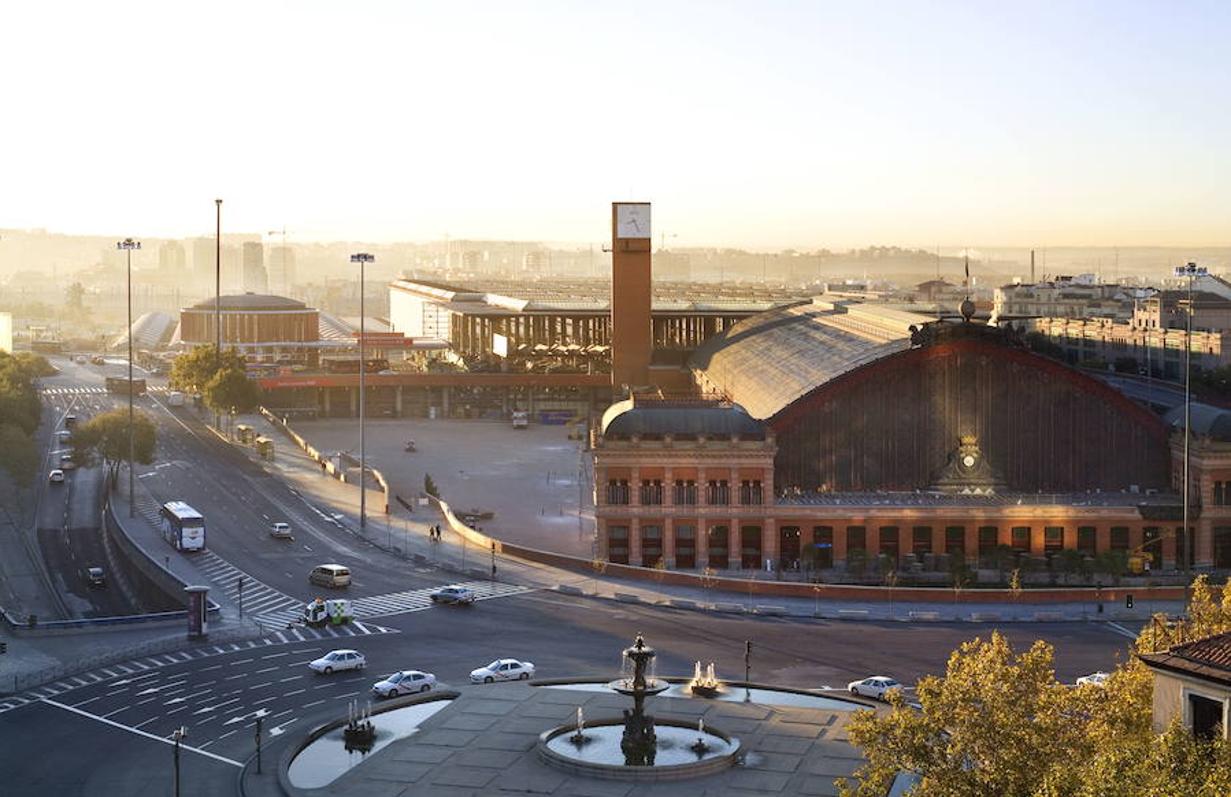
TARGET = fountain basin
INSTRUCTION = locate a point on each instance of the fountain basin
(602, 757)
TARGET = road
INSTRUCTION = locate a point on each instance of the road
(216, 693)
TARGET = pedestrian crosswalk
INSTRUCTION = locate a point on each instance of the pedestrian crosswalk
(416, 600)
(91, 390)
(257, 598)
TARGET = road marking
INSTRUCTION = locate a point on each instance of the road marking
(214, 667)
(1119, 629)
(267, 669)
(294, 692)
(264, 700)
(291, 678)
(215, 707)
(313, 703)
(262, 686)
(140, 732)
(277, 655)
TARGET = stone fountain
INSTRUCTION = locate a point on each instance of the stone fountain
(637, 746)
(704, 684)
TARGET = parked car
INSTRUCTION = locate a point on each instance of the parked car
(876, 687)
(404, 682)
(503, 670)
(95, 577)
(1093, 679)
(56, 476)
(337, 660)
(280, 531)
(459, 595)
(329, 576)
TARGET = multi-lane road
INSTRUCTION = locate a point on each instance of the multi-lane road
(106, 731)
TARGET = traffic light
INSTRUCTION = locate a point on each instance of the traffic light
(1128, 601)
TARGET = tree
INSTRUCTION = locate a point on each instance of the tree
(231, 389)
(429, 486)
(192, 371)
(75, 296)
(105, 438)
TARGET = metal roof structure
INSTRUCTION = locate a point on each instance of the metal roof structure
(150, 331)
(1208, 421)
(679, 418)
(766, 362)
(250, 301)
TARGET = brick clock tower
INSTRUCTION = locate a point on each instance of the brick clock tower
(630, 295)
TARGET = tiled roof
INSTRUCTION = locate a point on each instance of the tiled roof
(1208, 658)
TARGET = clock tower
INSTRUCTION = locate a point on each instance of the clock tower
(631, 291)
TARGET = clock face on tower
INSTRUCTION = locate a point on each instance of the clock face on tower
(633, 220)
(969, 460)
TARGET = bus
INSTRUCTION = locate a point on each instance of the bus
(182, 526)
(119, 384)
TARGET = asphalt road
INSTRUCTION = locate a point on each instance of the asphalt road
(216, 694)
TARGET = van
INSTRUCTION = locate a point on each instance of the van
(329, 576)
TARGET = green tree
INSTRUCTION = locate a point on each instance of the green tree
(429, 486)
(20, 458)
(104, 438)
(230, 388)
(193, 370)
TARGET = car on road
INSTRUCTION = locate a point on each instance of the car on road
(280, 531)
(70, 421)
(95, 577)
(459, 595)
(80, 359)
(503, 670)
(1093, 679)
(66, 462)
(97, 359)
(875, 687)
(329, 576)
(56, 476)
(64, 435)
(404, 682)
(338, 660)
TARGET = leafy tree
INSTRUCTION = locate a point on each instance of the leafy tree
(20, 458)
(230, 388)
(105, 438)
(193, 370)
(75, 296)
(429, 486)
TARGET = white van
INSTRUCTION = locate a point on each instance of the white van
(329, 576)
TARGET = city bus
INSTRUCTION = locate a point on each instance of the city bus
(182, 526)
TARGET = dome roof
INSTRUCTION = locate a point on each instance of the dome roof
(251, 301)
(628, 418)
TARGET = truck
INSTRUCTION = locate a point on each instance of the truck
(521, 419)
(121, 385)
(336, 611)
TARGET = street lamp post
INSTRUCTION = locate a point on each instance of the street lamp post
(362, 258)
(217, 285)
(127, 246)
(1188, 271)
(177, 736)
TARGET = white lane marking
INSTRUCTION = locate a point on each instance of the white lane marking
(1119, 629)
(140, 732)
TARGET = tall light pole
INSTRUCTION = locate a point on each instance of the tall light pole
(177, 736)
(1188, 271)
(362, 258)
(217, 284)
(127, 246)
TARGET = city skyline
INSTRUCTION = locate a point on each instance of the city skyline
(765, 127)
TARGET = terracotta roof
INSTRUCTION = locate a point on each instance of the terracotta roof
(1208, 658)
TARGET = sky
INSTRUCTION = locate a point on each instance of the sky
(751, 124)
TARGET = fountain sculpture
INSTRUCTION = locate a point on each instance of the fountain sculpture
(704, 684)
(359, 732)
(636, 746)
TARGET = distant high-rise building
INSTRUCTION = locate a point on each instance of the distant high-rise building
(281, 270)
(255, 279)
(172, 258)
(203, 261)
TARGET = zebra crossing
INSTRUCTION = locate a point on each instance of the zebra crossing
(260, 600)
(139, 665)
(416, 600)
(92, 390)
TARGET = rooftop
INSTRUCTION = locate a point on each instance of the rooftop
(1208, 658)
(684, 418)
(251, 301)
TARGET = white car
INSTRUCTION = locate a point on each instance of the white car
(336, 660)
(56, 476)
(876, 686)
(503, 670)
(280, 531)
(405, 682)
(1093, 679)
(459, 595)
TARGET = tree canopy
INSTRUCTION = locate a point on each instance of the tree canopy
(105, 438)
(192, 370)
(20, 412)
(998, 722)
(231, 389)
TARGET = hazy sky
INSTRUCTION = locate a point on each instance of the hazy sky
(749, 124)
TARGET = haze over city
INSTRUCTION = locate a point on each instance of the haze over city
(764, 126)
